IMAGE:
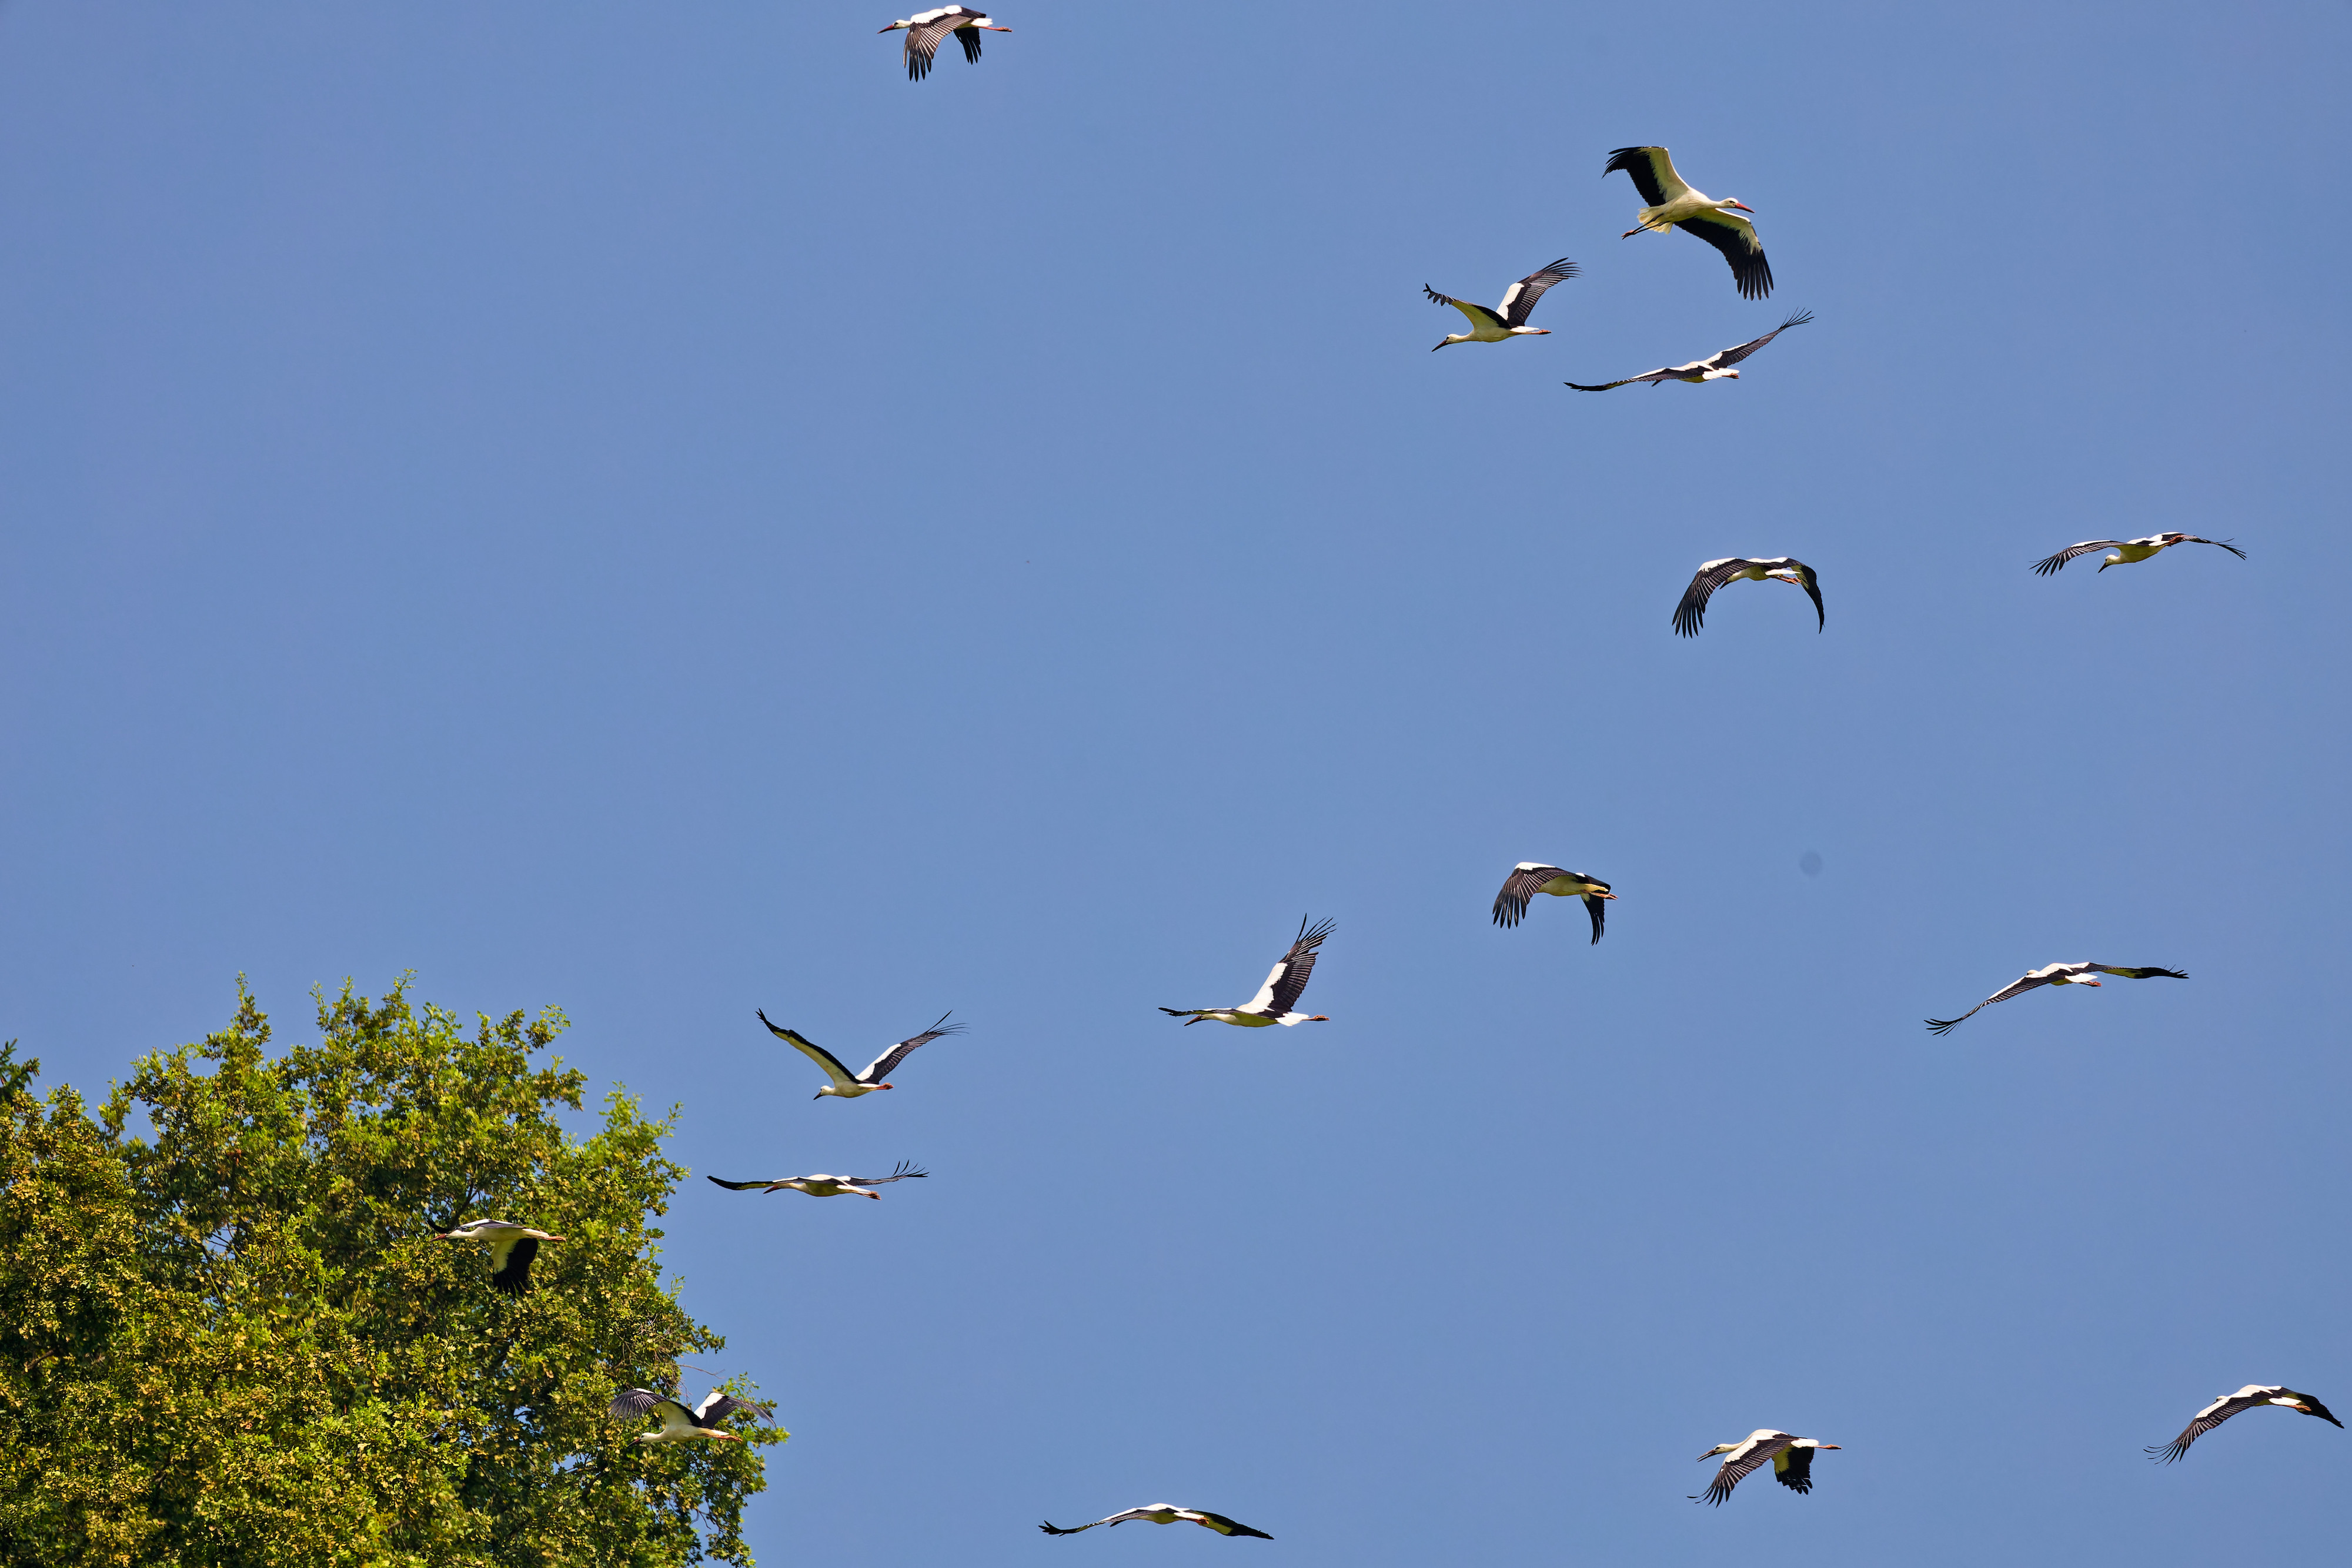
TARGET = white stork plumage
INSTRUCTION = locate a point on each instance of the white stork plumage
(1508, 319)
(1166, 1513)
(1791, 1457)
(513, 1246)
(927, 30)
(1691, 613)
(678, 1424)
(2247, 1398)
(1716, 367)
(821, 1185)
(1672, 203)
(1531, 877)
(2077, 973)
(2129, 551)
(849, 1085)
(1275, 999)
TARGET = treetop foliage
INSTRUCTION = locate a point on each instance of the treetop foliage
(230, 1336)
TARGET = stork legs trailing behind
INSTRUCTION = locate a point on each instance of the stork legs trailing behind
(1508, 319)
(1691, 613)
(1716, 367)
(927, 30)
(1791, 1457)
(1531, 877)
(1672, 203)
(1165, 1513)
(2078, 974)
(2247, 1398)
(1275, 999)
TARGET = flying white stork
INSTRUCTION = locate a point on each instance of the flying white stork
(1674, 205)
(2078, 974)
(1716, 367)
(678, 1424)
(1166, 1513)
(1531, 877)
(1508, 319)
(2128, 551)
(1278, 996)
(823, 1185)
(1691, 612)
(513, 1246)
(926, 31)
(848, 1085)
(1791, 1457)
(2229, 1405)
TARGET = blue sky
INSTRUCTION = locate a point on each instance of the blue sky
(644, 510)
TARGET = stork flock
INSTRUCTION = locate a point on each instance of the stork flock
(1670, 203)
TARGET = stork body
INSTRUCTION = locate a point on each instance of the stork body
(2252, 1397)
(1277, 999)
(927, 30)
(848, 1085)
(1166, 1513)
(2129, 552)
(1716, 367)
(821, 1185)
(1674, 204)
(2083, 973)
(1792, 1459)
(1508, 319)
(512, 1248)
(678, 1424)
(1691, 613)
(1531, 877)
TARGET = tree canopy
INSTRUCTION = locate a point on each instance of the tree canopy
(228, 1336)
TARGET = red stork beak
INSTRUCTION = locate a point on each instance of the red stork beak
(1742, 206)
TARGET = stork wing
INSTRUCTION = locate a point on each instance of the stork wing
(923, 39)
(2141, 974)
(1730, 357)
(880, 1067)
(1810, 580)
(2218, 544)
(1479, 315)
(2049, 564)
(1523, 884)
(632, 1402)
(2015, 989)
(1734, 236)
(1221, 1525)
(740, 1185)
(512, 1260)
(717, 1406)
(1522, 296)
(1287, 979)
(969, 39)
(1736, 1466)
(1653, 173)
(1652, 377)
(1792, 1467)
(904, 1171)
(815, 1052)
(1114, 1519)
(2212, 1416)
(1691, 613)
(1598, 908)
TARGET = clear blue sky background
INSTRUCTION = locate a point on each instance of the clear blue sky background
(640, 507)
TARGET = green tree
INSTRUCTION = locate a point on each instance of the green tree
(233, 1340)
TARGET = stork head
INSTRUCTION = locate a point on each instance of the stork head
(891, 28)
(2114, 558)
(1719, 1449)
(1733, 204)
(1811, 1444)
